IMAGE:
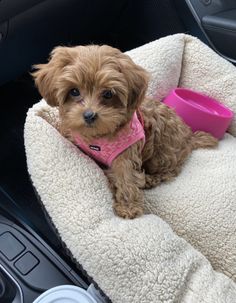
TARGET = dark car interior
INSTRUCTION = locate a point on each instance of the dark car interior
(32, 257)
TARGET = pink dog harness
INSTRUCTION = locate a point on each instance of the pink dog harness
(105, 151)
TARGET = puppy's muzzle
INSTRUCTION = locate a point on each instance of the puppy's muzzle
(89, 116)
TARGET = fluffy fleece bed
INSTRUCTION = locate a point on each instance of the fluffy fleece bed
(184, 248)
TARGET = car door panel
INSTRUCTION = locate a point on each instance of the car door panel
(217, 20)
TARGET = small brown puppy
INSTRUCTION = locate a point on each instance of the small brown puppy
(98, 91)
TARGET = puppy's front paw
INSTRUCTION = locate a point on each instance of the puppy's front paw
(152, 181)
(128, 211)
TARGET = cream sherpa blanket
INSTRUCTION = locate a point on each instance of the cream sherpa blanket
(143, 260)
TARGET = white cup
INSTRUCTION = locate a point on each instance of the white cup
(65, 294)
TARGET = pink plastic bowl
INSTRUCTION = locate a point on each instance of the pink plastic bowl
(199, 111)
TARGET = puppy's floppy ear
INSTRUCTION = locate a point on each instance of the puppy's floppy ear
(46, 75)
(137, 79)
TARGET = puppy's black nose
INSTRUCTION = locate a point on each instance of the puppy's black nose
(89, 116)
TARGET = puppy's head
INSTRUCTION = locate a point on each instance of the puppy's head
(97, 88)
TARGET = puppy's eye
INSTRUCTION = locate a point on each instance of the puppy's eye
(74, 92)
(107, 94)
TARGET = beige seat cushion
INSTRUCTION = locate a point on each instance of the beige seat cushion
(143, 260)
